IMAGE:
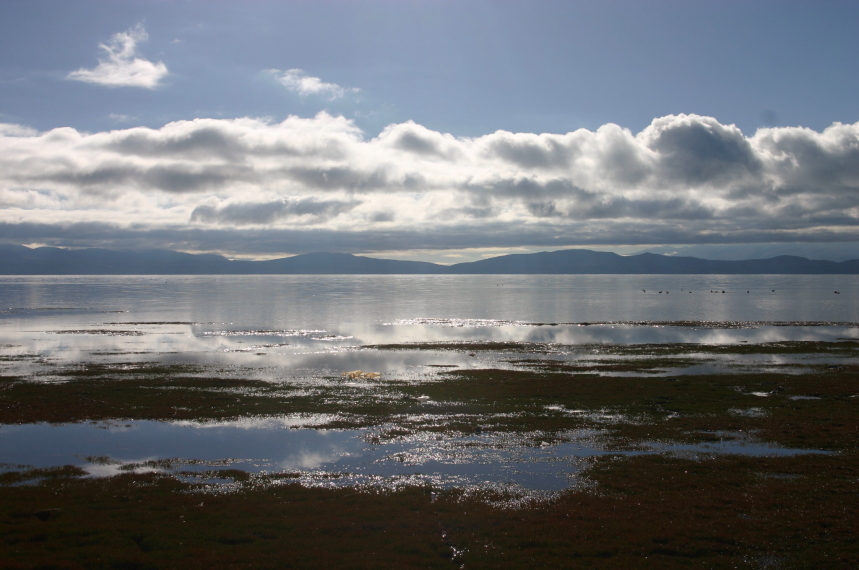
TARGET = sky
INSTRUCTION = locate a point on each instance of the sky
(432, 130)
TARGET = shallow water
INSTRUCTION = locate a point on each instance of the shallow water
(295, 353)
(313, 328)
(341, 302)
(515, 462)
(310, 322)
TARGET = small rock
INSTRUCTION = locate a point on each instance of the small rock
(46, 514)
(360, 374)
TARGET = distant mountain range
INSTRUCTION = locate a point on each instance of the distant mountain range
(840, 251)
(21, 260)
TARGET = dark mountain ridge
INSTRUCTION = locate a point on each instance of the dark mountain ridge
(21, 260)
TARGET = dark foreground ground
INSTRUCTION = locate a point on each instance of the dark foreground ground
(632, 511)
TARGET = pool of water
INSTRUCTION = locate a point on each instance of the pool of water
(516, 462)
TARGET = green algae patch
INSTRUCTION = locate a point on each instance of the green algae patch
(204, 399)
(724, 324)
(654, 510)
(469, 346)
(162, 392)
(151, 521)
(818, 409)
(625, 390)
(150, 398)
(21, 474)
(638, 512)
(507, 390)
(651, 364)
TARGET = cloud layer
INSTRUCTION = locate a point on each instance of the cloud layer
(297, 81)
(123, 67)
(307, 184)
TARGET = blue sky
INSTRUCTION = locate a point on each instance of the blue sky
(428, 129)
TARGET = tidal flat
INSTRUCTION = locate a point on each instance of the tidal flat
(415, 421)
(475, 454)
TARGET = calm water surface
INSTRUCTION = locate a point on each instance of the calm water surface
(310, 327)
(342, 302)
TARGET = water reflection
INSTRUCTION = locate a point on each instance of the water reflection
(296, 352)
(307, 329)
(496, 460)
(325, 302)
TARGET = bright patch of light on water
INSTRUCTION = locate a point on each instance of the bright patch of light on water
(532, 461)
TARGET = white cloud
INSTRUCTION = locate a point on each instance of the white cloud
(254, 186)
(123, 67)
(12, 130)
(255, 213)
(120, 118)
(297, 81)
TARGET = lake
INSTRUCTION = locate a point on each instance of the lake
(341, 302)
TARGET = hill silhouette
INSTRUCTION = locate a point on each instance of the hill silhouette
(21, 260)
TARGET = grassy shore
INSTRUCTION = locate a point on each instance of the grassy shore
(628, 511)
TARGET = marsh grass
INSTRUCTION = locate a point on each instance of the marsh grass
(641, 511)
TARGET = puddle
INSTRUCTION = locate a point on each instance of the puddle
(523, 462)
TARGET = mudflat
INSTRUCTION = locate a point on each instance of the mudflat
(735, 455)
